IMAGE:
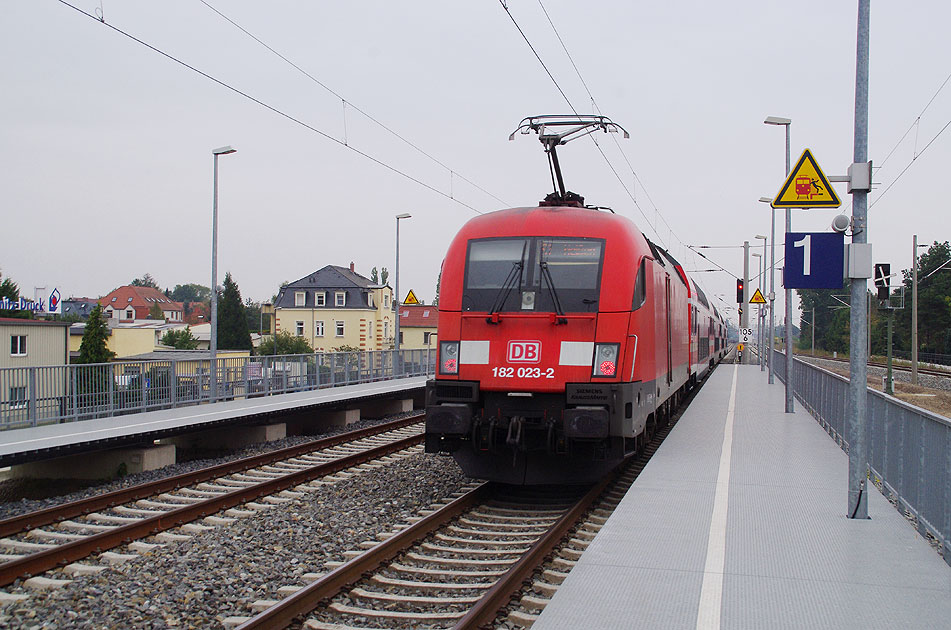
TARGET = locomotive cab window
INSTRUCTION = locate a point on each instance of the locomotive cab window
(537, 274)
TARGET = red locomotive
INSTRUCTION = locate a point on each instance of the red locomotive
(565, 338)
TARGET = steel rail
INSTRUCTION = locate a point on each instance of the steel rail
(486, 609)
(72, 509)
(68, 552)
(305, 600)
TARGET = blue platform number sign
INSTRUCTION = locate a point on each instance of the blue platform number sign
(814, 260)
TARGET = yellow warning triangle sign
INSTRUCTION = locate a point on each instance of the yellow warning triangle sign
(757, 298)
(410, 298)
(806, 187)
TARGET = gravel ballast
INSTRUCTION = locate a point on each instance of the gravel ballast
(220, 572)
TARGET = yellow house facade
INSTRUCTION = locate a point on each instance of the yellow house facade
(126, 339)
(336, 307)
(28, 343)
(418, 324)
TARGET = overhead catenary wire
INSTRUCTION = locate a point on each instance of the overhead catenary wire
(354, 107)
(271, 108)
(575, 111)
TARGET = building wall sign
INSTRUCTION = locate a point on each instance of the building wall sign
(47, 305)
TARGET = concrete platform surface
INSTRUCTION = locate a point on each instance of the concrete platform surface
(739, 521)
(53, 436)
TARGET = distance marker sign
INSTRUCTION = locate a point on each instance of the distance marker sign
(806, 187)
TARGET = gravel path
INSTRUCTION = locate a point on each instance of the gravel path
(218, 573)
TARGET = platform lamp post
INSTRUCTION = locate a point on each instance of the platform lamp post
(772, 284)
(759, 312)
(786, 122)
(762, 365)
(396, 342)
(213, 367)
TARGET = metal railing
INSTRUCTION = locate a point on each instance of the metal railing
(34, 396)
(909, 447)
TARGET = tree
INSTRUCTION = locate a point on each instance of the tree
(384, 275)
(191, 293)
(438, 281)
(156, 312)
(233, 331)
(252, 311)
(934, 302)
(181, 339)
(94, 348)
(374, 276)
(10, 290)
(286, 344)
(145, 281)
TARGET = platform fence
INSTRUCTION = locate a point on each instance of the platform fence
(909, 447)
(36, 396)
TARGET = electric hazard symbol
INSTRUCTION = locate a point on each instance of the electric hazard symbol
(806, 187)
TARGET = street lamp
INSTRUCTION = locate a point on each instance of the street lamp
(214, 276)
(396, 343)
(772, 280)
(786, 122)
(759, 312)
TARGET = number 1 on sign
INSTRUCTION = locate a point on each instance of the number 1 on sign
(806, 245)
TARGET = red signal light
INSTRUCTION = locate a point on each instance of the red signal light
(739, 292)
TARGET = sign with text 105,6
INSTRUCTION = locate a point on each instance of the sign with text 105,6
(814, 260)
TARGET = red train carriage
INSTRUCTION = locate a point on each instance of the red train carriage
(563, 337)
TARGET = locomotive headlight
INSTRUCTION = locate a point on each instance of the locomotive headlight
(448, 357)
(605, 360)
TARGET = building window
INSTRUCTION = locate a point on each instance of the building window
(370, 300)
(426, 336)
(18, 397)
(130, 314)
(320, 299)
(300, 298)
(339, 329)
(370, 329)
(401, 337)
(386, 329)
(300, 329)
(318, 329)
(386, 300)
(340, 298)
(18, 345)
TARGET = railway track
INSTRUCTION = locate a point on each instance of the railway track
(463, 564)
(33, 543)
(895, 367)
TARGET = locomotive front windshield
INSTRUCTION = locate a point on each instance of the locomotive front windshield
(541, 274)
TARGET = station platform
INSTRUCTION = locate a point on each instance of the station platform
(739, 521)
(19, 445)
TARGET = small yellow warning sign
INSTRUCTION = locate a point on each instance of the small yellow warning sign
(410, 298)
(739, 347)
(757, 298)
(806, 187)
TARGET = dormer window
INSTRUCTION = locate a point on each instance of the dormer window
(340, 298)
(300, 298)
(320, 299)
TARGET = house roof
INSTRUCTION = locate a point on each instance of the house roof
(419, 316)
(139, 298)
(15, 321)
(329, 279)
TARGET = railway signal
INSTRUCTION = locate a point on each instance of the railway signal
(739, 291)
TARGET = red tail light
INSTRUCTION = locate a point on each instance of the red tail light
(607, 368)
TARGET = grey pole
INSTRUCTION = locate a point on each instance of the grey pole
(213, 363)
(788, 318)
(396, 341)
(745, 316)
(772, 289)
(914, 310)
(759, 311)
(858, 365)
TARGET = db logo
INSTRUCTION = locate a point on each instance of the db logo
(524, 352)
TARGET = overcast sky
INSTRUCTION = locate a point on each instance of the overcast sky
(106, 144)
